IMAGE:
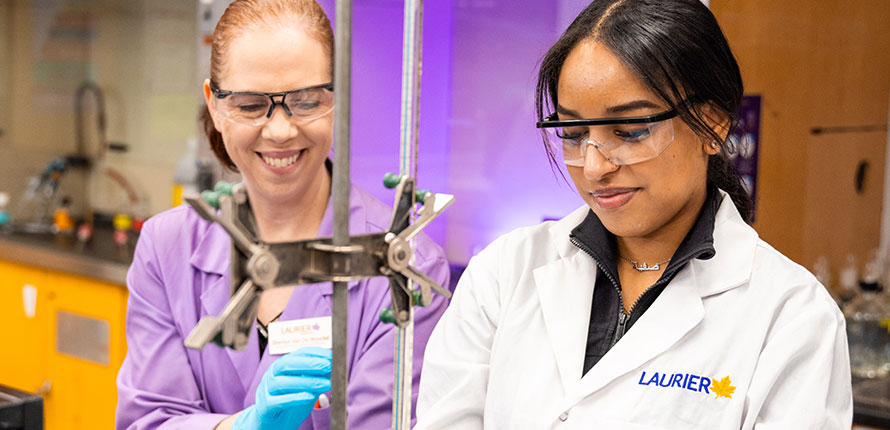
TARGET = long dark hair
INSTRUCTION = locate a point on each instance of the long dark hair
(679, 52)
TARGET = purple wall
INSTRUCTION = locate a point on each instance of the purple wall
(504, 180)
(477, 137)
(376, 96)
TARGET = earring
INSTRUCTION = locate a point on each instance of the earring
(714, 144)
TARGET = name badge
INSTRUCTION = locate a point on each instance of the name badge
(289, 336)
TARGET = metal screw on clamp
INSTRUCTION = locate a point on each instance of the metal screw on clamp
(399, 253)
(263, 266)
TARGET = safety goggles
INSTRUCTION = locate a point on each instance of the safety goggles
(622, 141)
(254, 108)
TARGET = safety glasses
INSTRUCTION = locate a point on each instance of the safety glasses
(254, 108)
(622, 141)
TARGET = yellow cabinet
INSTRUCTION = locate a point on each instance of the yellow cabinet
(70, 350)
(24, 352)
(88, 347)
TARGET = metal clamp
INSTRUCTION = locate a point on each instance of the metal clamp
(257, 266)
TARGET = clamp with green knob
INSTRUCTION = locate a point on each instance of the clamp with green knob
(419, 195)
(416, 295)
(224, 187)
(391, 180)
(388, 317)
(212, 197)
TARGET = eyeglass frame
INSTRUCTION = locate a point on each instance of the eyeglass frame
(221, 94)
(649, 119)
(548, 122)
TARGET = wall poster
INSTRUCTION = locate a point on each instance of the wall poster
(744, 142)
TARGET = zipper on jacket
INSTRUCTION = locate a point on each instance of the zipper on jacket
(587, 251)
(622, 323)
(651, 287)
(623, 317)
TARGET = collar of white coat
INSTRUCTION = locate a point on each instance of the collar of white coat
(565, 290)
(734, 245)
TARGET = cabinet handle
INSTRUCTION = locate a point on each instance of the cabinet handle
(861, 171)
(44, 388)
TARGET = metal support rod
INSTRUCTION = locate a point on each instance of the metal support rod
(340, 189)
(411, 69)
(403, 374)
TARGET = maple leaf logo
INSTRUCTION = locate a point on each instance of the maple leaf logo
(722, 388)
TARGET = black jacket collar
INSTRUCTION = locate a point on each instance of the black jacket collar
(698, 243)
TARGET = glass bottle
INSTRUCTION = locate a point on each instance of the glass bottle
(5, 217)
(846, 281)
(822, 270)
(868, 315)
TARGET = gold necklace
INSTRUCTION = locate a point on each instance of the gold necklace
(645, 267)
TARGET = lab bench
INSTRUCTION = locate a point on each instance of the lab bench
(871, 402)
(62, 313)
(20, 410)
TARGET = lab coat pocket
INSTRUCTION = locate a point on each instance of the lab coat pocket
(320, 418)
(675, 408)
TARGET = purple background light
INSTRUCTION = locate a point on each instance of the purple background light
(477, 134)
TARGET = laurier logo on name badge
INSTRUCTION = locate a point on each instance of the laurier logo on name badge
(717, 386)
(289, 336)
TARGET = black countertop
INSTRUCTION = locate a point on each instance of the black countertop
(20, 410)
(871, 402)
(100, 258)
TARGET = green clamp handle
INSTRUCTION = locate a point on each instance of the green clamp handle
(415, 294)
(387, 316)
(224, 187)
(211, 197)
(419, 195)
(391, 180)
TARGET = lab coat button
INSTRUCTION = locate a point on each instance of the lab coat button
(564, 416)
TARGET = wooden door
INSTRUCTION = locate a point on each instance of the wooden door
(818, 65)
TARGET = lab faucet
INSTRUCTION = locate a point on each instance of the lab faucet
(41, 193)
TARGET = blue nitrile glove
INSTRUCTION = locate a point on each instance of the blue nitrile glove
(288, 391)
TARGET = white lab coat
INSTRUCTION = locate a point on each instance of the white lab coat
(508, 353)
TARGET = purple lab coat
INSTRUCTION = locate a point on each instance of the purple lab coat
(180, 273)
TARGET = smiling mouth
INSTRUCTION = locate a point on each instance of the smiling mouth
(613, 198)
(612, 192)
(281, 161)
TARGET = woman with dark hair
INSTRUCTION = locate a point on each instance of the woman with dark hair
(655, 305)
(269, 116)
